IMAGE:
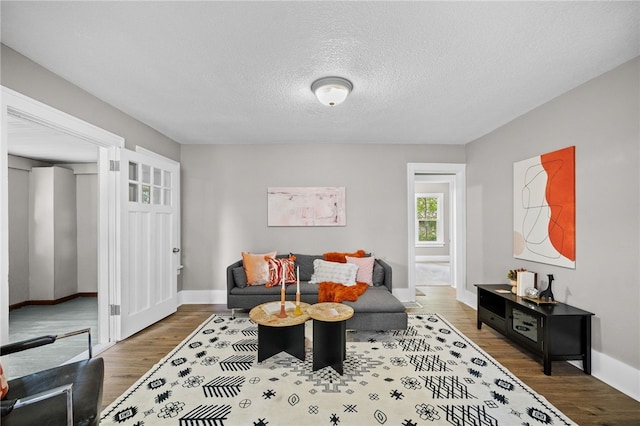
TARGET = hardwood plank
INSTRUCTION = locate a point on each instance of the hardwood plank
(585, 399)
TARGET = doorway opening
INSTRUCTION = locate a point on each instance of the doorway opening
(76, 155)
(436, 247)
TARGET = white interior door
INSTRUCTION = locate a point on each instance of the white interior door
(150, 243)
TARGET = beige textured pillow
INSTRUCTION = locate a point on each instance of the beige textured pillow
(256, 267)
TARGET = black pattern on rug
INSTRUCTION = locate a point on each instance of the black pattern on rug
(429, 374)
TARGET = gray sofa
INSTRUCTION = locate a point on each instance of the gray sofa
(376, 309)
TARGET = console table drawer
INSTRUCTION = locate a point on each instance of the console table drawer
(491, 319)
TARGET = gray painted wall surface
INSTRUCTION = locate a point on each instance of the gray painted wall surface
(18, 235)
(601, 118)
(27, 77)
(87, 214)
(52, 233)
(224, 202)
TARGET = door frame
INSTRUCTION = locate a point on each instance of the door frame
(17, 104)
(458, 226)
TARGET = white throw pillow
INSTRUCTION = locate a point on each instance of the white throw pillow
(343, 273)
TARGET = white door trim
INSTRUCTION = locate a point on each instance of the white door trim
(458, 230)
(17, 104)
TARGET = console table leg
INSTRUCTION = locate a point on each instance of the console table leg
(586, 346)
(479, 325)
(547, 365)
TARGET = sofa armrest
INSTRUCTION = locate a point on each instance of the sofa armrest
(387, 274)
(231, 282)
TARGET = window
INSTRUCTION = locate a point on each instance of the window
(429, 218)
(149, 185)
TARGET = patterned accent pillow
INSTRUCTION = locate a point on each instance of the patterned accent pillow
(4, 386)
(280, 267)
(365, 268)
(343, 273)
(256, 268)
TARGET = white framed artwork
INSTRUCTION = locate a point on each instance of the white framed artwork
(306, 206)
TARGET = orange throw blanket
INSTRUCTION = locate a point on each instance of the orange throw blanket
(337, 292)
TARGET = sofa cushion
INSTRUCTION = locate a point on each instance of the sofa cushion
(256, 267)
(377, 299)
(378, 275)
(305, 263)
(305, 288)
(365, 268)
(343, 273)
(240, 277)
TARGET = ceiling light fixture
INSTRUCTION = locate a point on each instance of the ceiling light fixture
(331, 91)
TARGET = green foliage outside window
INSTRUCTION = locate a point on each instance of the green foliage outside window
(427, 215)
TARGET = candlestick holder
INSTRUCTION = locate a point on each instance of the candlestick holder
(297, 311)
(283, 313)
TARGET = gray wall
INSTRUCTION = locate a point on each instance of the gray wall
(25, 76)
(601, 118)
(53, 256)
(86, 205)
(224, 202)
(18, 180)
(87, 214)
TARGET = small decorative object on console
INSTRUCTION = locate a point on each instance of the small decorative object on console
(532, 292)
(512, 275)
(548, 294)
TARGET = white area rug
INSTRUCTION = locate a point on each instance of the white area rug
(429, 374)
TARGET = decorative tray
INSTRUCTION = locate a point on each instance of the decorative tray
(539, 301)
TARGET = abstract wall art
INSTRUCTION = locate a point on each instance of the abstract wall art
(306, 206)
(544, 208)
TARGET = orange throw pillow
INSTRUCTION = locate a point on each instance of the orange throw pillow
(256, 267)
(335, 256)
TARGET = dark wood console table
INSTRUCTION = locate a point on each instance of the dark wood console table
(553, 331)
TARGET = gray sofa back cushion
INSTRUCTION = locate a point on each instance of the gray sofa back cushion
(305, 262)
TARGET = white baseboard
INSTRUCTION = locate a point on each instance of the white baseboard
(620, 376)
(198, 297)
(616, 374)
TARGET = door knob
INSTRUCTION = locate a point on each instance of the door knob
(176, 250)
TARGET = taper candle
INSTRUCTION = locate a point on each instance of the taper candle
(298, 280)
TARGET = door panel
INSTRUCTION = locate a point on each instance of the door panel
(150, 232)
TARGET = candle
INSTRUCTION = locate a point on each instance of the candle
(283, 280)
(298, 280)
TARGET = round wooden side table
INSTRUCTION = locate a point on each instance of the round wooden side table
(329, 334)
(277, 334)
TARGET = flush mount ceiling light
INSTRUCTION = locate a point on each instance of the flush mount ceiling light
(331, 91)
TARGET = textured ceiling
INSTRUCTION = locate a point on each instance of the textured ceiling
(240, 72)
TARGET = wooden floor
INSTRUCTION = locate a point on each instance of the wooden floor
(585, 399)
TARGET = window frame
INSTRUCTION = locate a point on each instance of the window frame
(439, 242)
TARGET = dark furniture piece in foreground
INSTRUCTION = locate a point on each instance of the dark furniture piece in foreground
(377, 309)
(554, 331)
(329, 334)
(276, 334)
(70, 394)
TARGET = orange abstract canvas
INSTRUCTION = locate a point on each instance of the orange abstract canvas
(544, 209)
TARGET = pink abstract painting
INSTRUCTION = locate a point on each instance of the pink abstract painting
(306, 206)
